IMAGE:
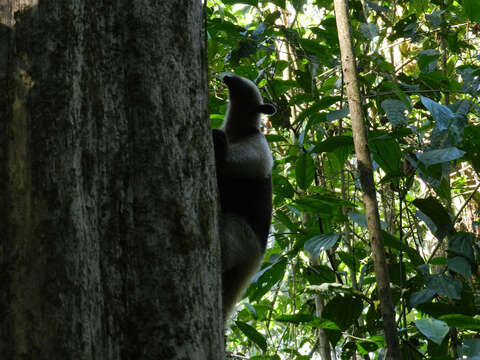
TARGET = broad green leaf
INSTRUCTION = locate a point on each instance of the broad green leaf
(395, 110)
(386, 152)
(370, 31)
(392, 242)
(472, 9)
(462, 244)
(432, 208)
(252, 334)
(263, 281)
(440, 113)
(304, 171)
(461, 266)
(433, 329)
(418, 6)
(285, 220)
(427, 60)
(318, 274)
(343, 310)
(260, 29)
(461, 321)
(321, 204)
(365, 347)
(361, 220)
(435, 17)
(399, 92)
(295, 319)
(338, 114)
(374, 6)
(320, 243)
(333, 143)
(471, 348)
(440, 155)
(248, 2)
(444, 285)
(421, 297)
(282, 186)
(266, 357)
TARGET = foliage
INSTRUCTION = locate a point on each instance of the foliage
(420, 76)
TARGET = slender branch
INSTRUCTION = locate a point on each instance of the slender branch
(366, 177)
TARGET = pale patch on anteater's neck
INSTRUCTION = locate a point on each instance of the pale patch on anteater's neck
(240, 122)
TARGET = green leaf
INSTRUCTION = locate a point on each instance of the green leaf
(266, 357)
(387, 154)
(252, 334)
(418, 6)
(324, 205)
(304, 171)
(462, 244)
(361, 220)
(395, 110)
(444, 285)
(461, 321)
(370, 31)
(320, 243)
(248, 2)
(318, 274)
(263, 281)
(432, 208)
(295, 319)
(472, 9)
(282, 186)
(427, 60)
(433, 329)
(461, 266)
(343, 310)
(338, 114)
(440, 113)
(421, 297)
(307, 319)
(365, 347)
(285, 220)
(439, 156)
(392, 242)
(333, 143)
(399, 92)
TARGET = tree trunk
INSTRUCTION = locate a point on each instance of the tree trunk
(366, 177)
(109, 247)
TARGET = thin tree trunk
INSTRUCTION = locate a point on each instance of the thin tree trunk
(366, 177)
(109, 247)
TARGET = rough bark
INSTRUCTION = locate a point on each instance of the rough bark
(366, 177)
(109, 248)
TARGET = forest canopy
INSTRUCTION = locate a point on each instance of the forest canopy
(419, 71)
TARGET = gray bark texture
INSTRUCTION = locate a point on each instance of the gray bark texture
(365, 172)
(109, 248)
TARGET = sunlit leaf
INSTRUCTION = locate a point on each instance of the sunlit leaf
(395, 110)
(440, 155)
(433, 329)
(441, 113)
(320, 243)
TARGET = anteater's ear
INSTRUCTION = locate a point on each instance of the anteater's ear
(268, 109)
